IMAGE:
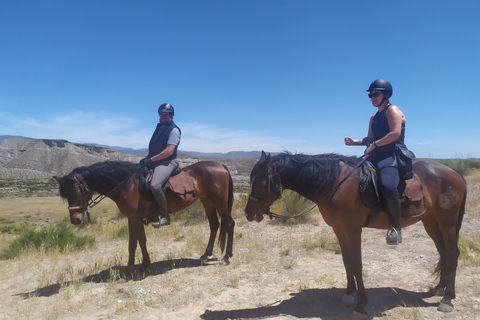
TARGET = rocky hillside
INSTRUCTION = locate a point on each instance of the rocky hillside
(25, 158)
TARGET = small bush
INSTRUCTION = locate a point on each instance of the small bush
(463, 165)
(52, 238)
(292, 203)
(193, 214)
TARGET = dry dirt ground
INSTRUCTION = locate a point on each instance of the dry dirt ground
(277, 272)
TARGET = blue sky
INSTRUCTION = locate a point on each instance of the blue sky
(242, 75)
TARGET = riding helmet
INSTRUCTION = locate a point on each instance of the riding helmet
(381, 85)
(166, 107)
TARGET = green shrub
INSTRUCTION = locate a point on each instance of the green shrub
(292, 204)
(52, 238)
(463, 165)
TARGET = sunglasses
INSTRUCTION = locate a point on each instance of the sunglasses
(376, 94)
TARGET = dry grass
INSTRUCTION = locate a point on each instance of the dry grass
(295, 268)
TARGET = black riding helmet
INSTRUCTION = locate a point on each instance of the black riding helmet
(166, 107)
(382, 85)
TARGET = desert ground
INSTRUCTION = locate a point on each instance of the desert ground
(278, 271)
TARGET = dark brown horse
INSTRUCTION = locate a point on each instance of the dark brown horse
(317, 178)
(121, 182)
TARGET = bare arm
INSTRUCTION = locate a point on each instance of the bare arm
(361, 142)
(167, 152)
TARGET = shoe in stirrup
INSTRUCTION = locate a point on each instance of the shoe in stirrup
(394, 236)
(163, 221)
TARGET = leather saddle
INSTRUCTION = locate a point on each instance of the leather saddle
(410, 189)
(180, 185)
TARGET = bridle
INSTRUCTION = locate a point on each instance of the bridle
(278, 187)
(83, 190)
(265, 208)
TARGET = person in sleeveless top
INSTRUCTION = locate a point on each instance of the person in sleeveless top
(385, 148)
(162, 158)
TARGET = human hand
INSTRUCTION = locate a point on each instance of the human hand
(369, 149)
(349, 141)
(147, 162)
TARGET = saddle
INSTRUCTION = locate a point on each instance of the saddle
(412, 198)
(180, 185)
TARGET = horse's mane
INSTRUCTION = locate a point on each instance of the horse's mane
(104, 176)
(314, 173)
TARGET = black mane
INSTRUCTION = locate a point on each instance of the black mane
(102, 177)
(315, 174)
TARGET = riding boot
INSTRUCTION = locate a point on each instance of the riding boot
(394, 234)
(161, 201)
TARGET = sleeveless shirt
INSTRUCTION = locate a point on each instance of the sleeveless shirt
(158, 143)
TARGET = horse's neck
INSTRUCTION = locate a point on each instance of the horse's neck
(288, 184)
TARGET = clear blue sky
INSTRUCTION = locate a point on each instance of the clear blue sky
(242, 75)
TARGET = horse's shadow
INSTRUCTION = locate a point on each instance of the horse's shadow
(325, 304)
(119, 273)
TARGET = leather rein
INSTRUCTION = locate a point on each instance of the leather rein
(84, 189)
(278, 187)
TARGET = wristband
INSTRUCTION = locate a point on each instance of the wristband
(375, 144)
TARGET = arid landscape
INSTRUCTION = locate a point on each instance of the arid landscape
(278, 271)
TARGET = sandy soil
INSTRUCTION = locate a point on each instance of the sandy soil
(277, 272)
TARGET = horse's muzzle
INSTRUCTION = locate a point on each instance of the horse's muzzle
(76, 218)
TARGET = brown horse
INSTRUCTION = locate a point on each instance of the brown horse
(318, 178)
(122, 181)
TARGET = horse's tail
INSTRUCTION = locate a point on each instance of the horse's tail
(461, 213)
(223, 227)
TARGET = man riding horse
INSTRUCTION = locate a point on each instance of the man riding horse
(162, 158)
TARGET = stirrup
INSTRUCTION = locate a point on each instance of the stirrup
(160, 223)
(394, 236)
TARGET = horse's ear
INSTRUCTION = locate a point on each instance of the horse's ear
(57, 178)
(265, 156)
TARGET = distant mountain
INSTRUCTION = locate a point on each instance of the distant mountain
(27, 158)
(228, 155)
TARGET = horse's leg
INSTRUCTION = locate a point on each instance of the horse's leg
(350, 243)
(211, 213)
(445, 239)
(226, 229)
(142, 241)
(431, 227)
(132, 243)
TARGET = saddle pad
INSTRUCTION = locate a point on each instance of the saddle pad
(412, 199)
(182, 185)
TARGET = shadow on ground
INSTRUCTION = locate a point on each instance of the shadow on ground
(119, 274)
(325, 304)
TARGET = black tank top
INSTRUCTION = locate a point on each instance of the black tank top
(380, 129)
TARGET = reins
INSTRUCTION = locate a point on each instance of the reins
(99, 198)
(278, 187)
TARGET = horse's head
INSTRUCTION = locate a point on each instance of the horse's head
(75, 190)
(266, 188)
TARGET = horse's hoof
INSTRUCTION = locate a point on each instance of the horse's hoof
(347, 301)
(224, 262)
(358, 316)
(445, 305)
(439, 292)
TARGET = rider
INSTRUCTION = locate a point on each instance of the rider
(386, 149)
(162, 157)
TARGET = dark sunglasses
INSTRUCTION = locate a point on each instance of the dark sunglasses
(376, 94)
